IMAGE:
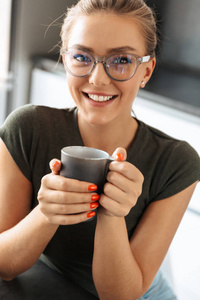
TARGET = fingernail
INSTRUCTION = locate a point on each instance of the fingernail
(55, 164)
(119, 156)
(92, 187)
(94, 205)
(91, 214)
(95, 197)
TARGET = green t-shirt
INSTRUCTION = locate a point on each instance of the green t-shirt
(36, 134)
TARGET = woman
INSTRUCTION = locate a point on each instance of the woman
(108, 50)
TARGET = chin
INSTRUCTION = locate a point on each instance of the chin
(97, 119)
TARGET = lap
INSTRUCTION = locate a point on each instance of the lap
(41, 282)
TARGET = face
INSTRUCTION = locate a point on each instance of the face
(103, 34)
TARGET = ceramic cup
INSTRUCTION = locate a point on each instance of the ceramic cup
(85, 164)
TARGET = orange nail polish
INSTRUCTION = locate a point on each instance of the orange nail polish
(92, 187)
(94, 205)
(91, 214)
(55, 164)
(119, 156)
(95, 197)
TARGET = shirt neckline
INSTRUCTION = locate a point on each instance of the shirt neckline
(134, 144)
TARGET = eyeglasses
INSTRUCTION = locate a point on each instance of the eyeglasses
(120, 67)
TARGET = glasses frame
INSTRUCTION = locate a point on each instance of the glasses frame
(103, 59)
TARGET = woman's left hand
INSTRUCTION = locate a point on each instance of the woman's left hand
(123, 188)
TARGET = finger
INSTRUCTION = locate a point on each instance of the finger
(67, 209)
(120, 154)
(61, 183)
(127, 169)
(114, 193)
(55, 166)
(120, 181)
(113, 208)
(126, 194)
(116, 201)
(71, 219)
(60, 197)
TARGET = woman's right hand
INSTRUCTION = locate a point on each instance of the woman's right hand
(66, 201)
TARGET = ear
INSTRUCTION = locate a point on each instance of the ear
(148, 71)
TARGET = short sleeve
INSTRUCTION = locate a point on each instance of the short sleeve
(20, 133)
(180, 170)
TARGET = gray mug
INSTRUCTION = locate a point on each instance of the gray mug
(85, 164)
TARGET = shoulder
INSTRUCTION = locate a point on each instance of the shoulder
(155, 134)
(21, 114)
(30, 115)
(29, 122)
(18, 122)
(46, 113)
(30, 110)
(32, 130)
(168, 164)
(165, 144)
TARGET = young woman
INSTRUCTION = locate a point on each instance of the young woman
(108, 49)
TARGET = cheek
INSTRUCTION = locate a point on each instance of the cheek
(71, 81)
(74, 84)
(129, 89)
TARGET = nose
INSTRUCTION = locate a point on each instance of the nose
(99, 76)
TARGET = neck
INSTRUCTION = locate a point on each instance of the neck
(110, 136)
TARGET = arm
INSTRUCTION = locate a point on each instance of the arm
(23, 234)
(124, 269)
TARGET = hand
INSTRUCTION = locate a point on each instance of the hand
(123, 188)
(66, 201)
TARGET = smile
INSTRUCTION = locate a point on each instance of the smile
(99, 98)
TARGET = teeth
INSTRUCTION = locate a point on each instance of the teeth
(99, 98)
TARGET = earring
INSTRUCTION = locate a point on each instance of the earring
(143, 84)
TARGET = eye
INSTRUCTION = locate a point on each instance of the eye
(81, 57)
(122, 59)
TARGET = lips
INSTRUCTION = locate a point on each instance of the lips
(99, 98)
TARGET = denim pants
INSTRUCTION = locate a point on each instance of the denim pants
(159, 290)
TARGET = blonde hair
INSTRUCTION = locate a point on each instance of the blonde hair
(136, 9)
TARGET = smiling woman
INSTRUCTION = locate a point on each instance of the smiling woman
(102, 63)
(117, 255)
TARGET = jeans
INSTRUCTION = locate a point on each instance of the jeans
(159, 290)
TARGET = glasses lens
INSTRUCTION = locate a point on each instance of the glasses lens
(121, 67)
(78, 62)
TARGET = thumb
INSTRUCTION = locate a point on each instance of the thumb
(120, 154)
(55, 166)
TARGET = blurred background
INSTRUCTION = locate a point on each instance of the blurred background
(30, 72)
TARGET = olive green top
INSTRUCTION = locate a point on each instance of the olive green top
(36, 134)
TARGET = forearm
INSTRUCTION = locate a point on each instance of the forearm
(22, 245)
(116, 273)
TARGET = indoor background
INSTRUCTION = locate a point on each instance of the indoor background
(30, 72)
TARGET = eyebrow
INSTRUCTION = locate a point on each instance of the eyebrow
(110, 50)
(121, 49)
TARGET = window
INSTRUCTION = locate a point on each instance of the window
(5, 20)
